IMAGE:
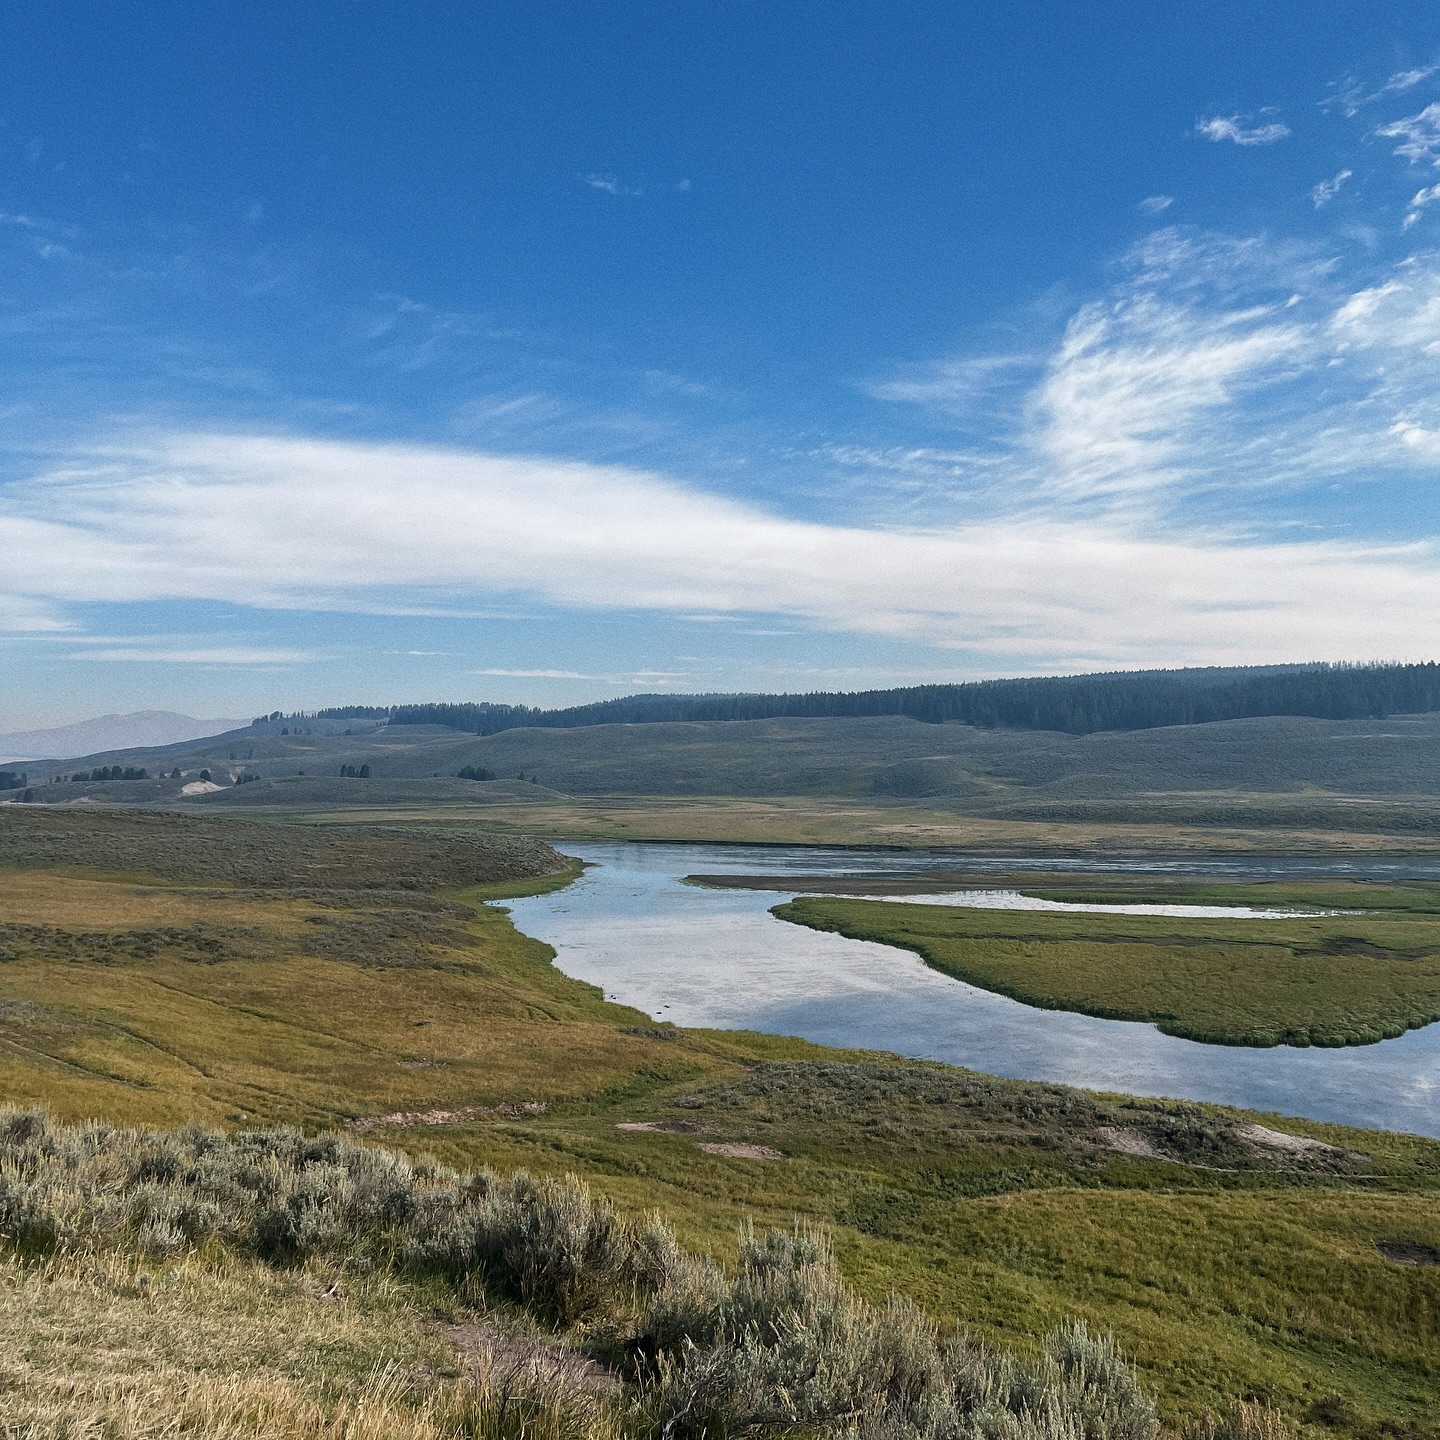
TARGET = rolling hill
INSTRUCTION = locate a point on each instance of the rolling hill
(1301, 772)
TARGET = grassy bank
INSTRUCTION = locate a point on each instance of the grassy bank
(1349, 979)
(1227, 1261)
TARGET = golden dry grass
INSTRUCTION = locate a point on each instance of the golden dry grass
(808, 821)
(117, 1348)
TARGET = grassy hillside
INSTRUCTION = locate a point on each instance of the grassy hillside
(645, 1342)
(1350, 979)
(1264, 775)
(153, 982)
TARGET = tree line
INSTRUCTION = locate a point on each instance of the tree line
(1074, 704)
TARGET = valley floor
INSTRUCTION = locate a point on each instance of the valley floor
(1227, 1261)
(900, 826)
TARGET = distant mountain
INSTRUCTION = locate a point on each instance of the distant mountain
(110, 732)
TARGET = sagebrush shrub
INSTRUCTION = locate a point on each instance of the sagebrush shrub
(779, 1344)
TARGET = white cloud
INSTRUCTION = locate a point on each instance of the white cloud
(1419, 202)
(610, 185)
(1240, 131)
(1116, 408)
(955, 385)
(539, 674)
(1327, 190)
(1399, 320)
(205, 655)
(1350, 95)
(1418, 438)
(1419, 136)
(1154, 204)
(25, 614)
(1216, 371)
(286, 522)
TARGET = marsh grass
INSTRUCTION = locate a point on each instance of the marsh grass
(1334, 980)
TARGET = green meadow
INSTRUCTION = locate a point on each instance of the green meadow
(363, 980)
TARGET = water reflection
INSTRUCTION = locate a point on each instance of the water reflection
(1014, 900)
(717, 958)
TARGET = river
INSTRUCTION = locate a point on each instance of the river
(719, 959)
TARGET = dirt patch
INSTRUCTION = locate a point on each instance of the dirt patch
(1129, 1141)
(422, 1064)
(1288, 1144)
(1408, 1252)
(732, 1150)
(508, 1359)
(660, 1127)
(461, 1115)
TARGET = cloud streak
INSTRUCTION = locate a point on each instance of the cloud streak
(282, 522)
(1351, 96)
(1216, 371)
(1419, 136)
(1239, 130)
(1420, 201)
(204, 655)
(1327, 190)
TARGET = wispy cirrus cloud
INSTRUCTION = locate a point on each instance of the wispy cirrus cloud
(537, 674)
(956, 385)
(1418, 134)
(1217, 378)
(240, 655)
(1351, 95)
(1156, 204)
(1327, 190)
(31, 615)
(1121, 398)
(611, 185)
(1242, 129)
(1420, 201)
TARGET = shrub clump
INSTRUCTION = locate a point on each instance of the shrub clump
(785, 1343)
(283, 1197)
(778, 1345)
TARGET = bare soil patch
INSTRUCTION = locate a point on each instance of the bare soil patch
(1289, 1144)
(733, 1150)
(661, 1127)
(1129, 1141)
(459, 1115)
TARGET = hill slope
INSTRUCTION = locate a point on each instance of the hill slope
(1310, 768)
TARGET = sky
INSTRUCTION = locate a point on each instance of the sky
(363, 353)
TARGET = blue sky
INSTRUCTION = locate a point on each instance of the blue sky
(357, 353)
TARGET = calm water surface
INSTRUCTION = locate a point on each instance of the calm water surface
(717, 958)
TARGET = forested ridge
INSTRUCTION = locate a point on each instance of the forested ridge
(1074, 704)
